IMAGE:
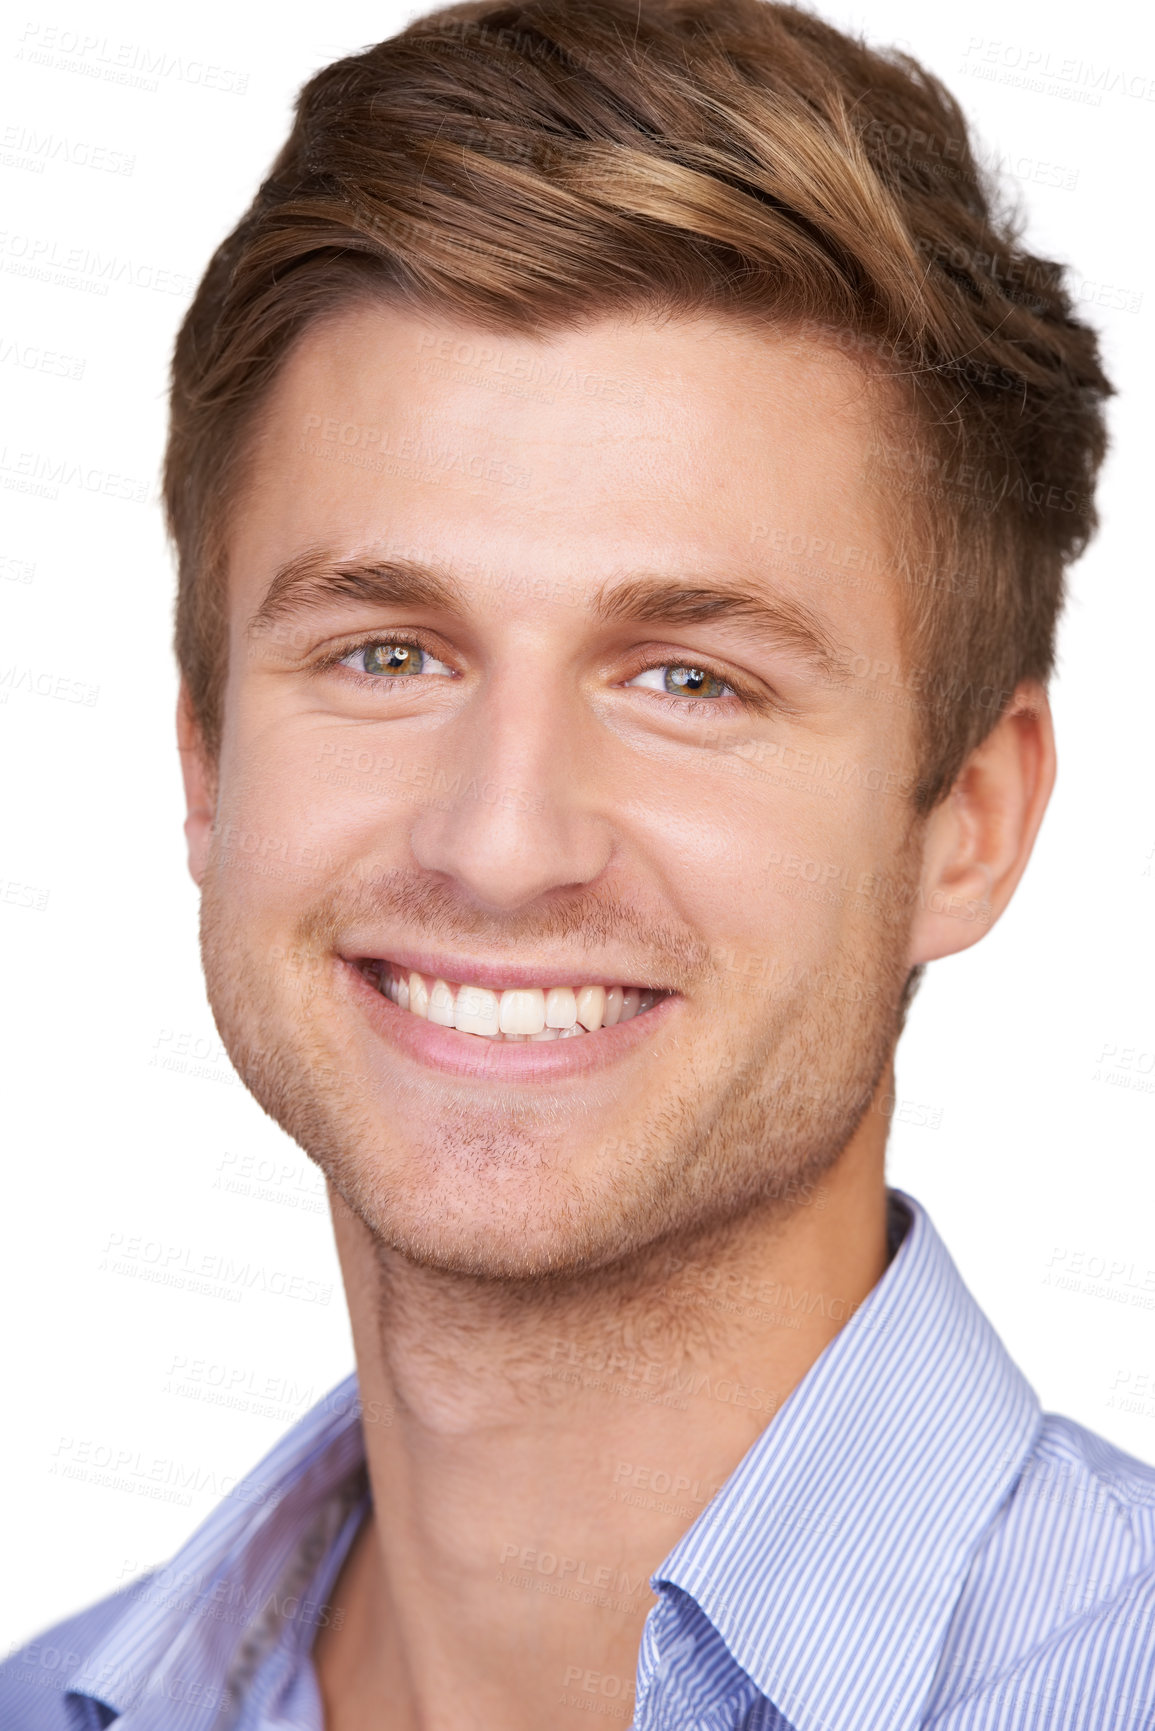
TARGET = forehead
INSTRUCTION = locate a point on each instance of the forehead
(668, 446)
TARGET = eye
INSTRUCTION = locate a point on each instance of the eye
(681, 680)
(392, 659)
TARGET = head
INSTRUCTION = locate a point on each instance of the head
(622, 478)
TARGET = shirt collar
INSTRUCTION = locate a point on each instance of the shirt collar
(196, 1631)
(832, 1559)
(830, 1562)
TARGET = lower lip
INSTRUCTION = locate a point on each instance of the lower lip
(458, 1054)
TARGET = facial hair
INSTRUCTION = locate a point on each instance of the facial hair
(757, 1127)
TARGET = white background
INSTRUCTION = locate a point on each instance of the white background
(1033, 1055)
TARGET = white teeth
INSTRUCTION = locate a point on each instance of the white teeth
(591, 1007)
(560, 1007)
(522, 1012)
(476, 1011)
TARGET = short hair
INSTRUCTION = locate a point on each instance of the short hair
(532, 165)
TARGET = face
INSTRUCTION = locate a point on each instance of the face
(533, 714)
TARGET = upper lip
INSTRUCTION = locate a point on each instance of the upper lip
(459, 970)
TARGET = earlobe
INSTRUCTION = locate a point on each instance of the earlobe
(199, 786)
(977, 842)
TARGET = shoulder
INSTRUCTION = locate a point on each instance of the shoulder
(34, 1677)
(1076, 1481)
(1056, 1623)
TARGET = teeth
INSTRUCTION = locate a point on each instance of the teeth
(560, 1007)
(591, 1007)
(521, 1013)
(476, 1011)
(441, 1009)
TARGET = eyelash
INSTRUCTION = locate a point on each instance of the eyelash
(749, 699)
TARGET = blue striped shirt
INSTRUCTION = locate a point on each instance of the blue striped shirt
(909, 1543)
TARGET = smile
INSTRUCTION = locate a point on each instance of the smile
(537, 1014)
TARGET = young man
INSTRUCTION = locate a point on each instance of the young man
(622, 473)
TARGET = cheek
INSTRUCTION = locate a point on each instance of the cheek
(301, 801)
(752, 862)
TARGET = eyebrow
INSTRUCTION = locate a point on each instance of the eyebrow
(780, 621)
(313, 580)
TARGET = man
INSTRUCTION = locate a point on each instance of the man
(622, 481)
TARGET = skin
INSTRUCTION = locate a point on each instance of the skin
(524, 1258)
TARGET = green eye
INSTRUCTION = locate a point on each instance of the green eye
(392, 658)
(693, 682)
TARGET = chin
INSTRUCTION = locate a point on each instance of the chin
(502, 1230)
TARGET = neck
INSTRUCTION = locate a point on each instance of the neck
(535, 1454)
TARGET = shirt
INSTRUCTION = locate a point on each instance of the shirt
(908, 1543)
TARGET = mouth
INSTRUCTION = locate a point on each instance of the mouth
(513, 1015)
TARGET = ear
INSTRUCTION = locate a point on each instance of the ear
(978, 840)
(200, 785)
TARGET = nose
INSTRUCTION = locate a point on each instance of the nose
(523, 808)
